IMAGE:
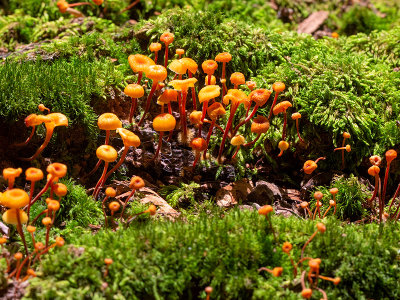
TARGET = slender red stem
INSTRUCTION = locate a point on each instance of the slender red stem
(385, 183)
(159, 145)
(236, 152)
(193, 93)
(228, 125)
(28, 139)
(203, 115)
(130, 6)
(20, 231)
(298, 133)
(45, 188)
(107, 140)
(119, 163)
(166, 56)
(284, 125)
(183, 116)
(376, 188)
(208, 137)
(148, 102)
(133, 109)
(97, 187)
(253, 141)
(125, 203)
(49, 133)
(32, 189)
(140, 75)
(272, 106)
(394, 197)
(247, 119)
(197, 158)
(309, 241)
(155, 56)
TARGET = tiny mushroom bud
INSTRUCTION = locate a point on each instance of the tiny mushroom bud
(114, 206)
(46, 221)
(237, 141)
(265, 210)
(283, 146)
(155, 47)
(108, 261)
(110, 192)
(287, 247)
(237, 79)
(167, 38)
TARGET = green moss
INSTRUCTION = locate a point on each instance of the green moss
(177, 260)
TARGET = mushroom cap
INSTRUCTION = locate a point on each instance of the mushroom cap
(260, 125)
(62, 6)
(375, 160)
(296, 116)
(30, 228)
(167, 38)
(58, 119)
(195, 117)
(109, 121)
(333, 191)
(128, 138)
(183, 85)
(283, 145)
(108, 261)
(33, 174)
(236, 97)
(215, 110)
(139, 62)
(114, 206)
(318, 195)
(155, 47)
(251, 84)
(277, 271)
(191, 65)
(198, 144)
(238, 140)
(11, 173)
(164, 122)
(390, 155)
(136, 183)
(223, 57)
(281, 107)
(98, 2)
(169, 95)
(46, 221)
(265, 210)
(14, 198)
(57, 170)
(106, 153)
(309, 166)
(374, 171)
(278, 86)
(209, 92)
(346, 135)
(286, 247)
(237, 78)
(134, 90)
(60, 189)
(156, 73)
(321, 228)
(10, 216)
(178, 67)
(180, 51)
(111, 192)
(260, 96)
(34, 120)
(208, 289)
(213, 80)
(53, 205)
(209, 66)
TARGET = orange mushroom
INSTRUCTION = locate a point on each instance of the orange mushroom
(223, 57)
(139, 64)
(281, 108)
(390, 156)
(32, 175)
(134, 91)
(237, 141)
(237, 79)
(374, 171)
(110, 192)
(310, 165)
(162, 123)
(108, 154)
(135, 184)
(296, 116)
(10, 174)
(320, 228)
(278, 87)
(209, 67)
(318, 197)
(259, 126)
(198, 145)
(156, 73)
(192, 67)
(155, 47)
(206, 94)
(32, 120)
(214, 111)
(346, 136)
(179, 52)
(167, 38)
(283, 146)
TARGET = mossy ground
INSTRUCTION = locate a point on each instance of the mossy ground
(79, 67)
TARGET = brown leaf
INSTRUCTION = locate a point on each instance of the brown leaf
(313, 22)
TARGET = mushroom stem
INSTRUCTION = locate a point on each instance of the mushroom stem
(125, 203)
(284, 125)
(320, 158)
(197, 158)
(166, 56)
(119, 163)
(28, 139)
(308, 241)
(272, 106)
(236, 152)
(193, 92)
(171, 132)
(375, 189)
(183, 116)
(384, 184)
(104, 210)
(38, 216)
(255, 140)
(32, 189)
(45, 188)
(128, 8)
(21, 232)
(326, 211)
(208, 137)
(248, 118)
(228, 125)
(298, 132)
(99, 161)
(148, 103)
(49, 133)
(47, 235)
(79, 4)
(203, 115)
(20, 267)
(133, 109)
(394, 197)
(140, 75)
(97, 187)
(159, 144)
(155, 55)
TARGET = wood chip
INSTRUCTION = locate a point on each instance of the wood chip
(313, 22)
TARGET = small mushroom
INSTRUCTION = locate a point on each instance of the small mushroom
(237, 141)
(209, 67)
(296, 116)
(192, 67)
(281, 108)
(134, 91)
(237, 79)
(155, 47)
(198, 145)
(10, 174)
(108, 154)
(278, 87)
(162, 123)
(139, 64)
(167, 38)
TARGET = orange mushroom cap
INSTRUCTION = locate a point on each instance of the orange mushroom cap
(109, 121)
(164, 122)
(265, 210)
(321, 228)
(178, 67)
(238, 140)
(128, 137)
(195, 117)
(57, 119)
(237, 78)
(53, 205)
(346, 135)
(183, 85)
(260, 96)
(283, 145)
(373, 171)
(14, 198)
(108, 261)
(223, 57)
(167, 38)
(287, 247)
(251, 84)
(154, 47)
(309, 166)
(33, 174)
(114, 206)
(304, 204)
(62, 6)
(296, 116)
(11, 173)
(60, 189)
(106, 153)
(60, 241)
(318, 195)
(236, 96)
(134, 90)
(334, 191)
(215, 110)
(209, 66)
(260, 125)
(390, 155)
(30, 228)
(277, 271)
(180, 51)
(152, 210)
(278, 86)
(57, 170)
(375, 160)
(169, 95)
(213, 80)
(281, 107)
(10, 216)
(198, 144)
(156, 73)
(139, 62)
(136, 183)
(46, 221)
(191, 65)
(209, 92)
(111, 192)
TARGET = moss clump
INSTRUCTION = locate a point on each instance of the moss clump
(177, 260)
